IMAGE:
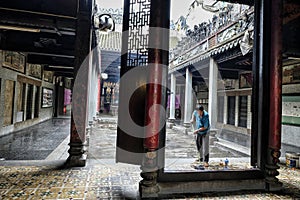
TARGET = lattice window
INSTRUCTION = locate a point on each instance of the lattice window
(139, 20)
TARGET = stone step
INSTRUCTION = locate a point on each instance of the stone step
(107, 120)
(233, 147)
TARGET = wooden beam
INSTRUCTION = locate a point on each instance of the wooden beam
(64, 74)
(247, 2)
(51, 60)
(66, 8)
(228, 74)
(9, 17)
(63, 70)
(36, 42)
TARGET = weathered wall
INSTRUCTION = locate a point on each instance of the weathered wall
(9, 85)
(290, 118)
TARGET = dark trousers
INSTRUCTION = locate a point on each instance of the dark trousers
(202, 142)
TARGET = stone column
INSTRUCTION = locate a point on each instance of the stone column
(99, 93)
(225, 117)
(80, 90)
(275, 93)
(237, 114)
(212, 93)
(33, 102)
(267, 54)
(188, 98)
(249, 113)
(172, 98)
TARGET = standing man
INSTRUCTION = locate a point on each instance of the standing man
(202, 130)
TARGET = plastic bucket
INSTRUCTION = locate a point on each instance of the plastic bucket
(292, 159)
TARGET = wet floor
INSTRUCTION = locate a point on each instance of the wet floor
(35, 142)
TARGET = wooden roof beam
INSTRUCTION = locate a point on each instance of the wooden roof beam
(66, 8)
(37, 21)
(53, 60)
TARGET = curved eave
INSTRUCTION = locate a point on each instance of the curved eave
(224, 46)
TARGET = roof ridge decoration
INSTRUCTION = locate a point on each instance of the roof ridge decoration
(237, 32)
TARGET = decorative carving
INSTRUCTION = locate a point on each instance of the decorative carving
(13, 60)
(275, 156)
(48, 76)
(148, 186)
(209, 34)
(35, 70)
(272, 181)
(139, 19)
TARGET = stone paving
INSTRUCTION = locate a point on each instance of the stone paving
(35, 142)
(102, 178)
(180, 151)
(104, 181)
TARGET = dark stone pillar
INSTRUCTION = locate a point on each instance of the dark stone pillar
(79, 116)
(275, 106)
(156, 95)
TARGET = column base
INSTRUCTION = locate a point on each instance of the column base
(272, 182)
(187, 124)
(171, 123)
(76, 161)
(89, 130)
(274, 186)
(188, 127)
(213, 136)
(77, 155)
(147, 192)
(171, 120)
(148, 187)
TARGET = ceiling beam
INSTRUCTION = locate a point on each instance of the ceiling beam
(51, 60)
(32, 20)
(65, 8)
(37, 42)
(247, 2)
(64, 74)
(63, 70)
(227, 74)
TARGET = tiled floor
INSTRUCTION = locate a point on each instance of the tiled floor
(104, 179)
(109, 182)
(98, 182)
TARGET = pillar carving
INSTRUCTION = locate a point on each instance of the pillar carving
(148, 186)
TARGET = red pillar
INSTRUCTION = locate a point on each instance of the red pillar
(275, 94)
(158, 71)
(155, 95)
(276, 76)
